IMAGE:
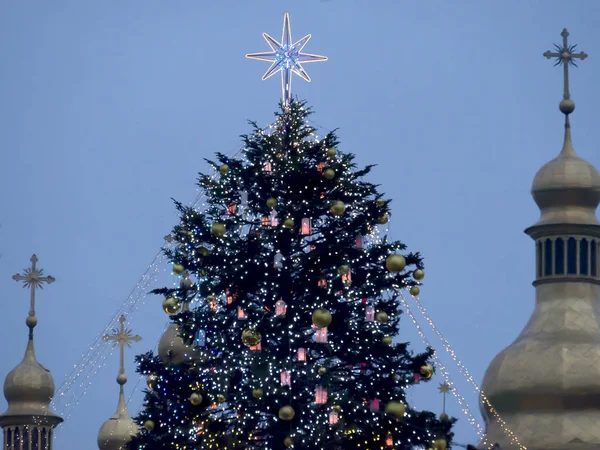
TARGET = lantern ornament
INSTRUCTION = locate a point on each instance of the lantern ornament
(286, 378)
(321, 335)
(273, 218)
(347, 277)
(306, 227)
(360, 241)
(278, 260)
(231, 209)
(228, 296)
(374, 405)
(322, 283)
(255, 348)
(320, 395)
(301, 354)
(267, 167)
(264, 221)
(200, 338)
(389, 440)
(241, 314)
(333, 418)
(370, 313)
(280, 308)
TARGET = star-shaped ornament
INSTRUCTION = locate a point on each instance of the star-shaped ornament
(287, 58)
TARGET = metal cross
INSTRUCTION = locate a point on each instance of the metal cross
(444, 389)
(564, 55)
(121, 337)
(33, 279)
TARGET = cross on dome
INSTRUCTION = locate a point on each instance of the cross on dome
(122, 337)
(565, 56)
(33, 278)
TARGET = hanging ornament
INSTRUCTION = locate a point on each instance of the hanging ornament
(203, 251)
(217, 229)
(397, 409)
(195, 398)
(257, 393)
(243, 198)
(286, 378)
(231, 209)
(301, 354)
(347, 278)
(337, 208)
(186, 283)
(223, 169)
(383, 219)
(322, 370)
(426, 371)
(320, 395)
(321, 318)
(264, 221)
(379, 202)
(228, 296)
(389, 440)
(381, 317)
(241, 315)
(322, 283)
(321, 335)
(171, 305)
(268, 167)
(306, 227)
(278, 260)
(288, 442)
(374, 405)
(395, 263)
(418, 274)
(286, 413)
(331, 152)
(360, 241)
(273, 218)
(178, 269)
(200, 338)
(151, 381)
(320, 167)
(333, 418)
(280, 308)
(220, 398)
(343, 269)
(369, 313)
(444, 417)
(149, 425)
(414, 291)
(255, 348)
(271, 202)
(439, 444)
(416, 378)
(387, 340)
(251, 337)
(329, 174)
(288, 223)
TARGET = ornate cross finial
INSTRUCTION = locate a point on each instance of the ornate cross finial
(121, 337)
(564, 55)
(444, 389)
(33, 278)
(287, 58)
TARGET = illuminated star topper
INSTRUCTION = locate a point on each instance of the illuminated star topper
(286, 58)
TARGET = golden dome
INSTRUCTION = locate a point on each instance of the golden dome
(173, 350)
(116, 432)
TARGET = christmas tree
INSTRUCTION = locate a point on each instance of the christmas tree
(289, 304)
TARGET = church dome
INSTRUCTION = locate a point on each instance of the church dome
(116, 432)
(172, 349)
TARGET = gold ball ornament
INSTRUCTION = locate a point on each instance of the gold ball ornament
(196, 398)
(220, 398)
(426, 371)
(387, 340)
(321, 318)
(288, 223)
(211, 299)
(337, 208)
(397, 409)
(271, 202)
(395, 263)
(251, 337)
(322, 370)
(171, 305)
(217, 229)
(414, 291)
(204, 251)
(186, 283)
(178, 269)
(257, 393)
(379, 202)
(439, 444)
(418, 274)
(329, 174)
(331, 152)
(343, 269)
(444, 417)
(286, 413)
(223, 169)
(151, 381)
(381, 317)
(383, 219)
(149, 425)
(337, 408)
(288, 442)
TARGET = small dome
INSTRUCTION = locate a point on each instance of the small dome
(172, 349)
(29, 387)
(116, 432)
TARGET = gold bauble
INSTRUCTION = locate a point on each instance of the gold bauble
(444, 417)
(196, 398)
(426, 371)
(178, 269)
(439, 444)
(257, 393)
(271, 202)
(286, 413)
(288, 442)
(321, 318)
(288, 223)
(211, 299)
(171, 305)
(331, 152)
(397, 409)
(149, 425)
(220, 398)
(151, 381)
(329, 174)
(250, 337)
(322, 370)
(387, 340)
(343, 269)
(223, 169)
(383, 219)
(414, 291)
(379, 202)
(203, 251)
(337, 208)
(217, 229)
(337, 408)
(381, 317)
(395, 263)
(418, 274)
(186, 283)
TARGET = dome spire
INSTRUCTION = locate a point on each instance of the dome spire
(117, 431)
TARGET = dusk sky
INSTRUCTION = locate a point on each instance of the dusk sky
(107, 110)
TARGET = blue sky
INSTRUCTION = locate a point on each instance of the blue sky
(107, 110)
